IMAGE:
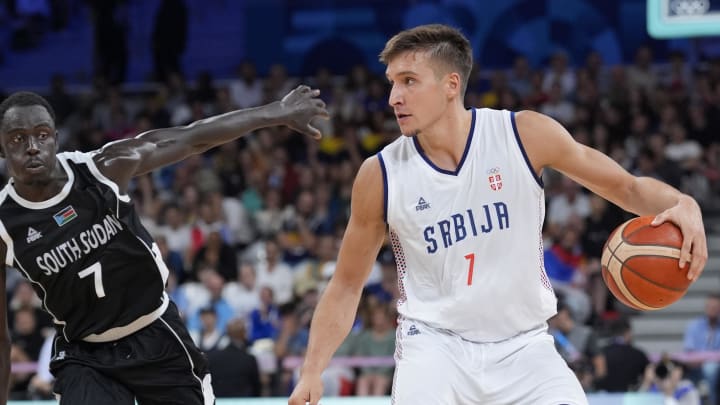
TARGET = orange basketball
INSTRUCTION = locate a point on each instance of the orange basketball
(640, 264)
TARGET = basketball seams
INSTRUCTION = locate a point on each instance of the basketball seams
(646, 251)
(614, 266)
(626, 238)
(630, 296)
(615, 270)
(651, 281)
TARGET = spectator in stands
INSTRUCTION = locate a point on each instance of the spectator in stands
(519, 79)
(641, 74)
(247, 89)
(24, 296)
(560, 73)
(210, 295)
(603, 218)
(576, 343)
(565, 266)
(176, 230)
(386, 289)
(207, 337)
(265, 319)
(274, 272)
(41, 384)
(217, 254)
(571, 205)
(311, 273)
(377, 340)
(666, 378)
(243, 294)
(557, 106)
(27, 340)
(703, 334)
(622, 364)
(172, 259)
(235, 371)
(268, 220)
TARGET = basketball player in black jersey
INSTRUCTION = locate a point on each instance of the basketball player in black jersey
(68, 225)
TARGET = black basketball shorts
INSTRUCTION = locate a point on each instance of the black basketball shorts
(156, 365)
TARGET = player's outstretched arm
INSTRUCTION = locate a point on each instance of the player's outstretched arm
(548, 144)
(4, 333)
(122, 160)
(336, 310)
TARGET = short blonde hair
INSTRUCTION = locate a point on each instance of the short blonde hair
(443, 44)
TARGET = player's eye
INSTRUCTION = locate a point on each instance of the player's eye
(409, 80)
(43, 136)
(17, 138)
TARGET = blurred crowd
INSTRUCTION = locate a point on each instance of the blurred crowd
(251, 230)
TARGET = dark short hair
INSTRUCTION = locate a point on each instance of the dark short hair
(444, 44)
(24, 99)
(207, 310)
(619, 326)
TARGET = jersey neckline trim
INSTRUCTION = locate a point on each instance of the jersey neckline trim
(464, 156)
(57, 198)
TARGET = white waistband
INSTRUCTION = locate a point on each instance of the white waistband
(540, 328)
(134, 326)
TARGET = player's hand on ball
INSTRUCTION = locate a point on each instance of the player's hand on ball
(307, 391)
(300, 107)
(688, 217)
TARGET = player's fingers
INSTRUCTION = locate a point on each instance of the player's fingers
(685, 250)
(322, 113)
(660, 218)
(699, 258)
(312, 131)
(314, 398)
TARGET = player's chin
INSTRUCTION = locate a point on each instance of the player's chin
(409, 132)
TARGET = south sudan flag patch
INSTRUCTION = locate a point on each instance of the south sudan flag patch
(65, 215)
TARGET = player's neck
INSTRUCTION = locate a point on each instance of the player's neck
(42, 189)
(444, 142)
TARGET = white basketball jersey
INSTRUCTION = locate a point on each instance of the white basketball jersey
(468, 243)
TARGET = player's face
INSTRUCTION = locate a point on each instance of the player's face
(418, 94)
(29, 143)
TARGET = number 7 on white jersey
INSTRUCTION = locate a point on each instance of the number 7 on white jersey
(97, 269)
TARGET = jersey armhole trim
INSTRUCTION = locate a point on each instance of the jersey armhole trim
(88, 158)
(10, 251)
(535, 176)
(385, 186)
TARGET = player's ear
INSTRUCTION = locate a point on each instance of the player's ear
(453, 84)
(57, 144)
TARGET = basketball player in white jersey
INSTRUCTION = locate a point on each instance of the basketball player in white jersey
(462, 195)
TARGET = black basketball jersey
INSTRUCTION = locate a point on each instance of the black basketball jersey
(89, 258)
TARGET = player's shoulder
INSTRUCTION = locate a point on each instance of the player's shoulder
(75, 156)
(531, 118)
(371, 168)
(369, 188)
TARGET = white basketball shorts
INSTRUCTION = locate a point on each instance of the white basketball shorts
(436, 367)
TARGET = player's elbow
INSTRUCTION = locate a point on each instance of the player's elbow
(346, 282)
